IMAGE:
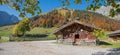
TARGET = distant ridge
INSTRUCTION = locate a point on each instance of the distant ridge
(7, 19)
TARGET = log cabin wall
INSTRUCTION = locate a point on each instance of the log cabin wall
(76, 28)
(82, 35)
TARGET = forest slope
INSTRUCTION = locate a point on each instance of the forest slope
(61, 16)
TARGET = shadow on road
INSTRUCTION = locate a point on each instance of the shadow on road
(113, 51)
(1, 49)
(104, 43)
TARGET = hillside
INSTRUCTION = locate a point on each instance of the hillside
(37, 33)
(61, 16)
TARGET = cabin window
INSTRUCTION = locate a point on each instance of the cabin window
(81, 30)
(76, 36)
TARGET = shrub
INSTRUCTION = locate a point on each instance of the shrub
(100, 34)
(20, 28)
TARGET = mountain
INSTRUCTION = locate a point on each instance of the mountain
(61, 16)
(105, 11)
(7, 19)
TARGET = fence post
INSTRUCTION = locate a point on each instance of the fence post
(57, 38)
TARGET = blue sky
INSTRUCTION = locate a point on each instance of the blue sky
(46, 6)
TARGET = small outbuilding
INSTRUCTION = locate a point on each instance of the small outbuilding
(114, 36)
(76, 32)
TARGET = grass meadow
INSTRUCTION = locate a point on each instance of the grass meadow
(39, 33)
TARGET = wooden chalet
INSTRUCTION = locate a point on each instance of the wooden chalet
(76, 32)
(114, 36)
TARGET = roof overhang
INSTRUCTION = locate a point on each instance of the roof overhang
(58, 31)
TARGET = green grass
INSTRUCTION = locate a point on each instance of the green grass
(6, 30)
(40, 30)
(3, 40)
(115, 44)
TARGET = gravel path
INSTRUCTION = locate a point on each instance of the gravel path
(45, 48)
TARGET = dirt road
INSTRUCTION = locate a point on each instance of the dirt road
(46, 48)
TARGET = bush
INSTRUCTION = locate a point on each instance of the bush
(100, 34)
(20, 28)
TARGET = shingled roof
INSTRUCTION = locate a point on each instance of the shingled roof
(74, 22)
(115, 33)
